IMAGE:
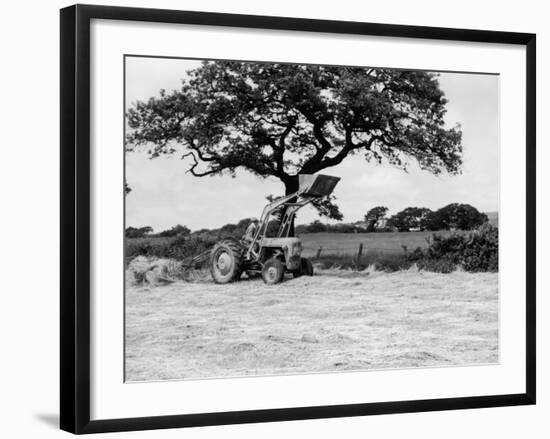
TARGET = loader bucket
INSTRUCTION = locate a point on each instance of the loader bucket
(317, 185)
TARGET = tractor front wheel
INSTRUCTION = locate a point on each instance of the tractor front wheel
(273, 271)
(226, 261)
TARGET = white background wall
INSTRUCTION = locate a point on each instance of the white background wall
(29, 200)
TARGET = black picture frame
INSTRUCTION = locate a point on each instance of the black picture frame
(75, 218)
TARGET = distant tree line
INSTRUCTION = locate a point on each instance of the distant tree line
(138, 232)
(454, 216)
(179, 231)
(317, 226)
(147, 231)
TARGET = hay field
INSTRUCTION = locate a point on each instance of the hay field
(337, 320)
(384, 242)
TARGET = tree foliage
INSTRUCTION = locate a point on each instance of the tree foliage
(317, 227)
(280, 120)
(410, 218)
(455, 216)
(137, 232)
(314, 227)
(374, 215)
(475, 251)
(177, 230)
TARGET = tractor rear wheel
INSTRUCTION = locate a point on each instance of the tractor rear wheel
(273, 271)
(306, 268)
(226, 262)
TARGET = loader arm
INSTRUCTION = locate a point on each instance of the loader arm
(251, 253)
(311, 187)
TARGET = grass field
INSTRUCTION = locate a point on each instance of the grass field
(315, 245)
(338, 320)
(348, 243)
(341, 243)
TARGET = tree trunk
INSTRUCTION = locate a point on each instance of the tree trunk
(291, 186)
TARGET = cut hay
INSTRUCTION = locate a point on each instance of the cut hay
(325, 323)
(151, 271)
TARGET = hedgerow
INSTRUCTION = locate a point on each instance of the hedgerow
(476, 251)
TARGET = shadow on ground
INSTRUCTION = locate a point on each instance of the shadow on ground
(49, 419)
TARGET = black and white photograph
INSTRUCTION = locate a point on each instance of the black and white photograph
(287, 219)
(270, 220)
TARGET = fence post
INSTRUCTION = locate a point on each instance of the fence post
(359, 253)
(319, 252)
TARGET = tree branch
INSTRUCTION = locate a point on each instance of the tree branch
(196, 163)
(350, 146)
(311, 165)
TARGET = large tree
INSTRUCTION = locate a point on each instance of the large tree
(280, 120)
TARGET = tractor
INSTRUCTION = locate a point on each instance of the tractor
(267, 256)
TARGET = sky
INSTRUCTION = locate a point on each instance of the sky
(164, 194)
